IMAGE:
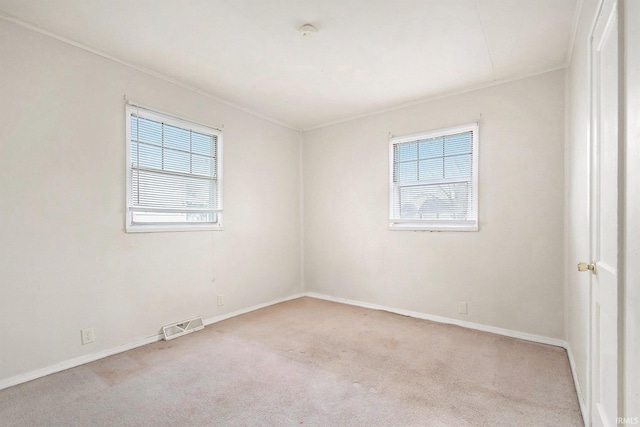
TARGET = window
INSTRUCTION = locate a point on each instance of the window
(174, 173)
(433, 180)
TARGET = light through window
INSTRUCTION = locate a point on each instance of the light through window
(433, 180)
(174, 173)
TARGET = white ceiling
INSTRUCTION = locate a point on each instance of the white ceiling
(368, 55)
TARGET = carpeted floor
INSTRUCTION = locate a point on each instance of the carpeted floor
(314, 363)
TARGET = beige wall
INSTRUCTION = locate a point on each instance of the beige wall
(65, 261)
(510, 272)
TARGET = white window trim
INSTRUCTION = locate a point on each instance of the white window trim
(130, 226)
(430, 225)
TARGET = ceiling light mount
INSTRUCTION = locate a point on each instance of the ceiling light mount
(307, 30)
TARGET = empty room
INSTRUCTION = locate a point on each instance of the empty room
(319, 212)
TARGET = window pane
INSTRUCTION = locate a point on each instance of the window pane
(176, 138)
(431, 169)
(458, 144)
(177, 161)
(458, 166)
(438, 201)
(202, 144)
(134, 154)
(406, 151)
(430, 148)
(150, 156)
(134, 127)
(149, 131)
(158, 190)
(407, 171)
(202, 165)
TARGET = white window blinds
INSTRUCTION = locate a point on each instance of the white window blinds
(433, 180)
(174, 171)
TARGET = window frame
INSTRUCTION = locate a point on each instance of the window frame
(437, 225)
(171, 120)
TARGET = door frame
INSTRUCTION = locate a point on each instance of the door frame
(591, 158)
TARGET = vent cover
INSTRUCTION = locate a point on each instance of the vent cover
(178, 329)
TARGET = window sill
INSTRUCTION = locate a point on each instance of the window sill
(433, 227)
(137, 228)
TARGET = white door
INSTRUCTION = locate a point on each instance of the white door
(604, 208)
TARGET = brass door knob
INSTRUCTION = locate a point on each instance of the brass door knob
(583, 266)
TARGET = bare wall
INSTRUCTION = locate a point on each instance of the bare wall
(65, 261)
(510, 272)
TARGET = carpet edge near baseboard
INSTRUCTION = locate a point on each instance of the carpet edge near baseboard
(446, 320)
(81, 360)
(470, 325)
(92, 357)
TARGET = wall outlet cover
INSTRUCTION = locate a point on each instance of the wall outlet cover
(87, 336)
(462, 307)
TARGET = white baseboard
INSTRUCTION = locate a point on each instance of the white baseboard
(77, 361)
(480, 327)
(493, 329)
(222, 317)
(581, 402)
(72, 363)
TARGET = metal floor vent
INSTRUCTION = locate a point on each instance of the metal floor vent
(178, 329)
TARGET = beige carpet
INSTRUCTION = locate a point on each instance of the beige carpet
(314, 363)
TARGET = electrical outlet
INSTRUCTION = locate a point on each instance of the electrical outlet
(87, 336)
(462, 307)
(220, 300)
